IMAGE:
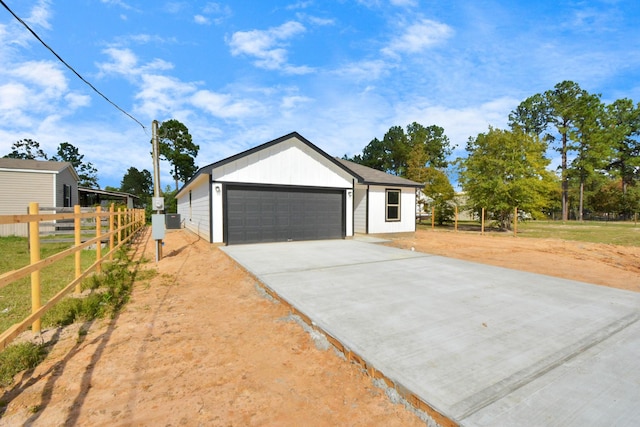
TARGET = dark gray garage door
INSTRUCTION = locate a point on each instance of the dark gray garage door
(264, 214)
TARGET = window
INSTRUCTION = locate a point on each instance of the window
(66, 195)
(190, 211)
(393, 205)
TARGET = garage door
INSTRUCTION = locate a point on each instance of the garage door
(259, 214)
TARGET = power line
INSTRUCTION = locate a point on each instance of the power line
(69, 66)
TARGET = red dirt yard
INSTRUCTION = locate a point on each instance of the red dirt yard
(200, 344)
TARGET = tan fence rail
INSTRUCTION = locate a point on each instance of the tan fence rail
(121, 224)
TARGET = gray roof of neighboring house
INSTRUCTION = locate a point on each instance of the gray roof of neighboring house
(38, 165)
(372, 176)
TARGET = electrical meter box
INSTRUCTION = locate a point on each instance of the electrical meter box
(158, 203)
(158, 226)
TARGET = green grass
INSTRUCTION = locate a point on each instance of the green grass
(15, 299)
(110, 291)
(17, 358)
(614, 233)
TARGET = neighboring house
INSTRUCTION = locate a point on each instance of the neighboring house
(51, 184)
(93, 197)
(289, 189)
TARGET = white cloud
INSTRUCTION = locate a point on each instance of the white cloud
(40, 14)
(75, 100)
(366, 70)
(44, 74)
(320, 21)
(267, 46)
(124, 62)
(224, 106)
(418, 37)
(300, 5)
(404, 3)
(161, 96)
(118, 3)
(13, 96)
(202, 20)
(292, 102)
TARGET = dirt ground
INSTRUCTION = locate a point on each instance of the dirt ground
(199, 344)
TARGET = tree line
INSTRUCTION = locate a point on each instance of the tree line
(598, 146)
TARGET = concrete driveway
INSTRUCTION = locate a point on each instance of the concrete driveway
(482, 345)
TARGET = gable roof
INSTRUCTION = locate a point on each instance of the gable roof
(367, 175)
(363, 174)
(37, 165)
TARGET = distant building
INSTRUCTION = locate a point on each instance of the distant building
(50, 184)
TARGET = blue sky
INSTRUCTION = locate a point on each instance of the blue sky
(341, 72)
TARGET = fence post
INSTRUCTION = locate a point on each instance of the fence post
(111, 237)
(482, 224)
(98, 237)
(77, 231)
(34, 254)
(119, 225)
(515, 222)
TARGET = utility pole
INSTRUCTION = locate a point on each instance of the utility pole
(157, 219)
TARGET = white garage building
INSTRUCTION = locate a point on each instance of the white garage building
(288, 189)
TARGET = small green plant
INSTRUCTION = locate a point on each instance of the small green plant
(17, 358)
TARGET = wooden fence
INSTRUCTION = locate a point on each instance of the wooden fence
(122, 225)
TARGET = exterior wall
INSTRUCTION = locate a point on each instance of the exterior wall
(360, 209)
(288, 163)
(17, 190)
(65, 177)
(217, 213)
(195, 212)
(377, 223)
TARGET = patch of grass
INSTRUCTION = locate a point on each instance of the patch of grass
(613, 233)
(17, 358)
(109, 292)
(15, 299)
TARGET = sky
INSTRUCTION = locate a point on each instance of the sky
(339, 72)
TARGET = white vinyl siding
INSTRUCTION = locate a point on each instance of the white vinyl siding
(377, 211)
(288, 163)
(360, 209)
(17, 190)
(193, 207)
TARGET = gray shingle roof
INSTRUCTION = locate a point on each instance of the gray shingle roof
(39, 165)
(367, 175)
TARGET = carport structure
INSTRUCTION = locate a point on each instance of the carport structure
(472, 344)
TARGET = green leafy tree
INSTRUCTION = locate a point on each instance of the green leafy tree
(504, 170)
(26, 149)
(139, 183)
(556, 113)
(177, 147)
(437, 187)
(397, 148)
(623, 132)
(589, 142)
(170, 201)
(87, 173)
(440, 191)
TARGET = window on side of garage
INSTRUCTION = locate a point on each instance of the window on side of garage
(392, 207)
